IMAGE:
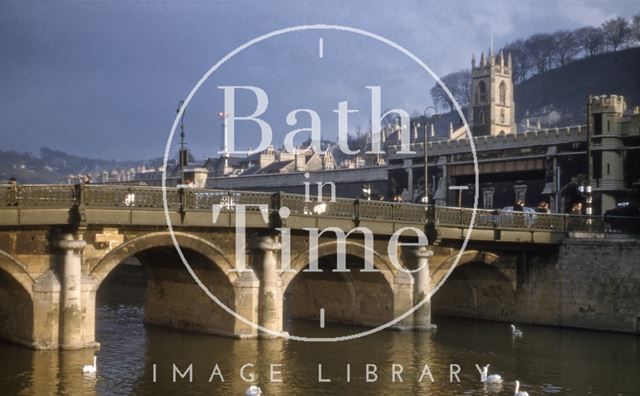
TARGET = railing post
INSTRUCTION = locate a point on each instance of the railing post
(274, 212)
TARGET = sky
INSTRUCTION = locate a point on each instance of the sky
(103, 79)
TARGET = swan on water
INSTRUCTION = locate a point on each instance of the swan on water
(515, 332)
(253, 391)
(490, 379)
(89, 369)
(517, 391)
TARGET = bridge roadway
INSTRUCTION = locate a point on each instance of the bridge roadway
(58, 244)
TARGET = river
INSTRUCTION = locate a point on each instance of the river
(545, 360)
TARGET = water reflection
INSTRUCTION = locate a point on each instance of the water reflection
(546, 360)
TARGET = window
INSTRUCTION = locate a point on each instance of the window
(481, 117)
(502, 116)
(597, 165)
(608, 169)
(608, 125)
(483, 91)
(487, 197)
(503, 93)
(521, 192)
(597, 124)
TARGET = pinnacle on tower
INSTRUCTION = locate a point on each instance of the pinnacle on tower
(473, 60)
(482, 61)
(501, 58)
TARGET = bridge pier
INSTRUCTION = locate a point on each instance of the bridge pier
(247, 298)
(421, 288)
(72, 304)
(271, 301)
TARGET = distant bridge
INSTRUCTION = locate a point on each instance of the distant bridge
(58, 243)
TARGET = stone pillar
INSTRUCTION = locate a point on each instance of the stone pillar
(247, 302)
(421, 287)
(403, 300)
(270, 301)
(46, 311)
(71, 302)
(408, 165)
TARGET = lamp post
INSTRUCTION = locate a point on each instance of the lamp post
(587, 188)
(224, 140)
(182, 156)
(426, 155)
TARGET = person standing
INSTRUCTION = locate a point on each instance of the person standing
(543, 207)
(518, 206)
(13, 192)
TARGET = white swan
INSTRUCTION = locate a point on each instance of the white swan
(89, 369)
(515, 332)
(253, 391)
(490, 379)
(517, 391)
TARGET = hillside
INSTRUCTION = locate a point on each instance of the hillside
(53, 166)
(567, 87)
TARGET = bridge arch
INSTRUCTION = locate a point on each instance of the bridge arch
(172, 297)
(492, 260)
(163, 239)
(329, 248)
(16, 301)
(355, 297)
(481, 286)
(17, 271)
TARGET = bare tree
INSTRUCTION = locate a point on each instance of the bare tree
(635, 28)
(540, 48)
(590, 39)
(440, 98)
(520, 59)
(616, 32)
(565, 46)
(459, 84)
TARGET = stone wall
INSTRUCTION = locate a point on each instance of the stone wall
(586, 283)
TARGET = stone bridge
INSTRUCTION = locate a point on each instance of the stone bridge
(59, 243)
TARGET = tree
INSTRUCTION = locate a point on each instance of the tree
(540, 49)
(520, 60)
(635, 28)
(565, 46)
(590, 39)
(459, 84)
(616, 32)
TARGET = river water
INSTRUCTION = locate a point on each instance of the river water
(546, 360)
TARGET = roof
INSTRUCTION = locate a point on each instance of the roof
(275, 167)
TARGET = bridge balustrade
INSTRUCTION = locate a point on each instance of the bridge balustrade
(107, 197)
(38, 196)
(147, 198)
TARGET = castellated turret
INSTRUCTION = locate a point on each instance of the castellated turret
(607, 147)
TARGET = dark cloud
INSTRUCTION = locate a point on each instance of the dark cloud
(103, 79)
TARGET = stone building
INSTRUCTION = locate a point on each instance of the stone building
(492, 109)
(535, 164)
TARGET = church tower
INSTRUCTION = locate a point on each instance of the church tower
(492, 110)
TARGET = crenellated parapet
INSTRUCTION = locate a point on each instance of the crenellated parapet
(607, 104)
(544, 137)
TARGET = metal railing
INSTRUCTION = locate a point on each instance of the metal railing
(151, 198)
